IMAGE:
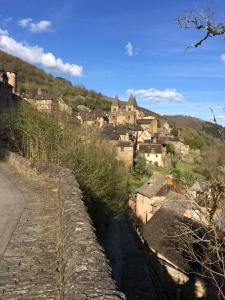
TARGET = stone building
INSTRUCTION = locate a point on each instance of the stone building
(148, 123)
(123, 115)
(125, 152)
(153, 191)
(10, 79)
(153, 153)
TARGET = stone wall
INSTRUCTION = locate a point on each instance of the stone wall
(83, 268)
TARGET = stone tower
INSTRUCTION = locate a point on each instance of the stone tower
(12, 80)
(115, 105)
(131, 104)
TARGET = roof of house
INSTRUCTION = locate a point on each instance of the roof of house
(144, 121)
(181, 206)
(132, 101)
(125, 144)
(114, 132)
(110, 131)
(150, 148)
(162, 235)
(152, 186)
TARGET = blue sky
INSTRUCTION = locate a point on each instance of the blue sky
(121, 46)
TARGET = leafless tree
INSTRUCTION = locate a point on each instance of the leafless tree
(203, 20)
(203, 243)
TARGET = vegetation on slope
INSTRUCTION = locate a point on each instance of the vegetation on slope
(102, 178)
(30, 78)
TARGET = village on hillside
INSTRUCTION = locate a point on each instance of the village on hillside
(159, 203)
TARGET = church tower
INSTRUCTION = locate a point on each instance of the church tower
(115, 105)
(131, 104)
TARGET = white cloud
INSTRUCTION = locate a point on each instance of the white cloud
(154, 95)
(25, 22)
(36, 55)
(40, 26)
(129, 49)
(223, 57)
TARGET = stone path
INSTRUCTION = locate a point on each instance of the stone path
(29, 262)
(11, 208)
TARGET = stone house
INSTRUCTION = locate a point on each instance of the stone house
(161, 238)
(125, 152)
(153, 191)
(166, 128)
(144, 136)
(123, 138)
(153, 153)
(149, 123)
(92, 117)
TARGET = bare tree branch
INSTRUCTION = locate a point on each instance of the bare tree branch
(202, 20)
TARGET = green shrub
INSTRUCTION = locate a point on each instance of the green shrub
(194, 142)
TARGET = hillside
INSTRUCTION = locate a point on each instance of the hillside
(210, 128)
(30, 78)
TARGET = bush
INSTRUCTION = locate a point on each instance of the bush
(170, 149)
(194, 143)
(102, 178)
(175, 132)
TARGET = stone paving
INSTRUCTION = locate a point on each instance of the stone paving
(53, 252)
(29, 266)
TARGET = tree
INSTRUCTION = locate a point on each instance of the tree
(203, 19)
(203, 243)
(175, 132)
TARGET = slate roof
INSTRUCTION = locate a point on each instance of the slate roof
(132, 101)
(181, 206)
(152, 186)
(150, 148)
(161, 234)
(144, 121)
(114, 132)
(125, 144)
(110, 132)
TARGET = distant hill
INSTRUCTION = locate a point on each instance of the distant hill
(210, 128)
(30, 78)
